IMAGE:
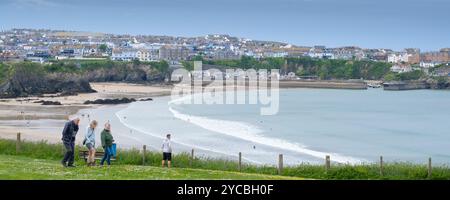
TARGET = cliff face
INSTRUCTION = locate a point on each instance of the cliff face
(31, 79)
(22, 84)
(127, 74)
(441, 83)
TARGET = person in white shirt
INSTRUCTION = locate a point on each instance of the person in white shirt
(167, 151)
(89, 141)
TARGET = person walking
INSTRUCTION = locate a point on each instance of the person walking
(68, 137)
(107, 142)
(89, 142)
(167, 151)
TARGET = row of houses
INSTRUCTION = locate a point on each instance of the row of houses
(414, 56)
(153, 53)
(39, 45)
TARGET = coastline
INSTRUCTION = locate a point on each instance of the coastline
(43, 127)
(43, 122)
(38, 122)
(325, 84)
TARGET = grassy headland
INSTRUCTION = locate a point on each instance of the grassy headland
(132, 159)
(26, 168)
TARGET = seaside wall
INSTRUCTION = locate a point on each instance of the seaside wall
(406, 85)
(335, 84)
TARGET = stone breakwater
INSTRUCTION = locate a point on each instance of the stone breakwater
(330, 84)
(406, 85)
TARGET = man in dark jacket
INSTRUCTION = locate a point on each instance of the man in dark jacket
(68, 138)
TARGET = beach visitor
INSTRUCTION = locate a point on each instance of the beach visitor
(68, 137)
(167, 151)
(107, 142)
(89, 141)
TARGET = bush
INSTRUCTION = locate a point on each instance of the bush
(305, 66)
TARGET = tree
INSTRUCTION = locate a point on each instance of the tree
(390, 77)
(3, 72)
(247, 62)
(136, 62)
(197, 58)
(413, 75)
(103, 48)
(188, 65)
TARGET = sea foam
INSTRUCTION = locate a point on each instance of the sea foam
(251, 133)
(120, 115)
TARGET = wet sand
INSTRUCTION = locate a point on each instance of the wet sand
(37, 122)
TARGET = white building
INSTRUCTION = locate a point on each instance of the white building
(428, 64)
(320, 52)
(275, 54)
(398, 57)
(401, 68)
(143, 55)
(124, 55)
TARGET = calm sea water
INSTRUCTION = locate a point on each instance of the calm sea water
(352, 126)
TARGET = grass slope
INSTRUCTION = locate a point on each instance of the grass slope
(25, 168)
(52, 153)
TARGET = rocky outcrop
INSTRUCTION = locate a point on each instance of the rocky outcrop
(49, 103)
(406, 85)
(111, 101)
(440, 83)
(146, 99)
(130, 74)
(23, 83)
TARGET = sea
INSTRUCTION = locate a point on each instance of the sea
(350, 126)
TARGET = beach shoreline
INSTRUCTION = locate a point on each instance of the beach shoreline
(38, 122)
(17, 113)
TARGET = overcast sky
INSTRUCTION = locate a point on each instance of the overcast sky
(392, 24)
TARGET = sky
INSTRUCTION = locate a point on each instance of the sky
(394, 24)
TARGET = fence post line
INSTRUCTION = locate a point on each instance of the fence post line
(18, 140)
(381, 166)
(280, 164)
(191, 161)
(144, 151)
(327, 163)
(430, 168)
(240, 161)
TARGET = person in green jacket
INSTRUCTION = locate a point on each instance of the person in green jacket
(107, 141)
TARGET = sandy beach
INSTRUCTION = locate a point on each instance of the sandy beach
(38, 122)
(43, 122)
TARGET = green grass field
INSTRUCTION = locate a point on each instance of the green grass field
(25, 168)
(36, 155)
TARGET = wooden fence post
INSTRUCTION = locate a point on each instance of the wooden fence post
(429, 168)
(144, 151)
(191, 161)
(240, 161)
(18, 140)
(280, 164)
(381, 166)
(327, 163)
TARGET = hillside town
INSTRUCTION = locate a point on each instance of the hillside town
(44, 45)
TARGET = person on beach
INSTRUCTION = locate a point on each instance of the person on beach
(167, 151)
(68, 137)
(89, 141)
(107, 142)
